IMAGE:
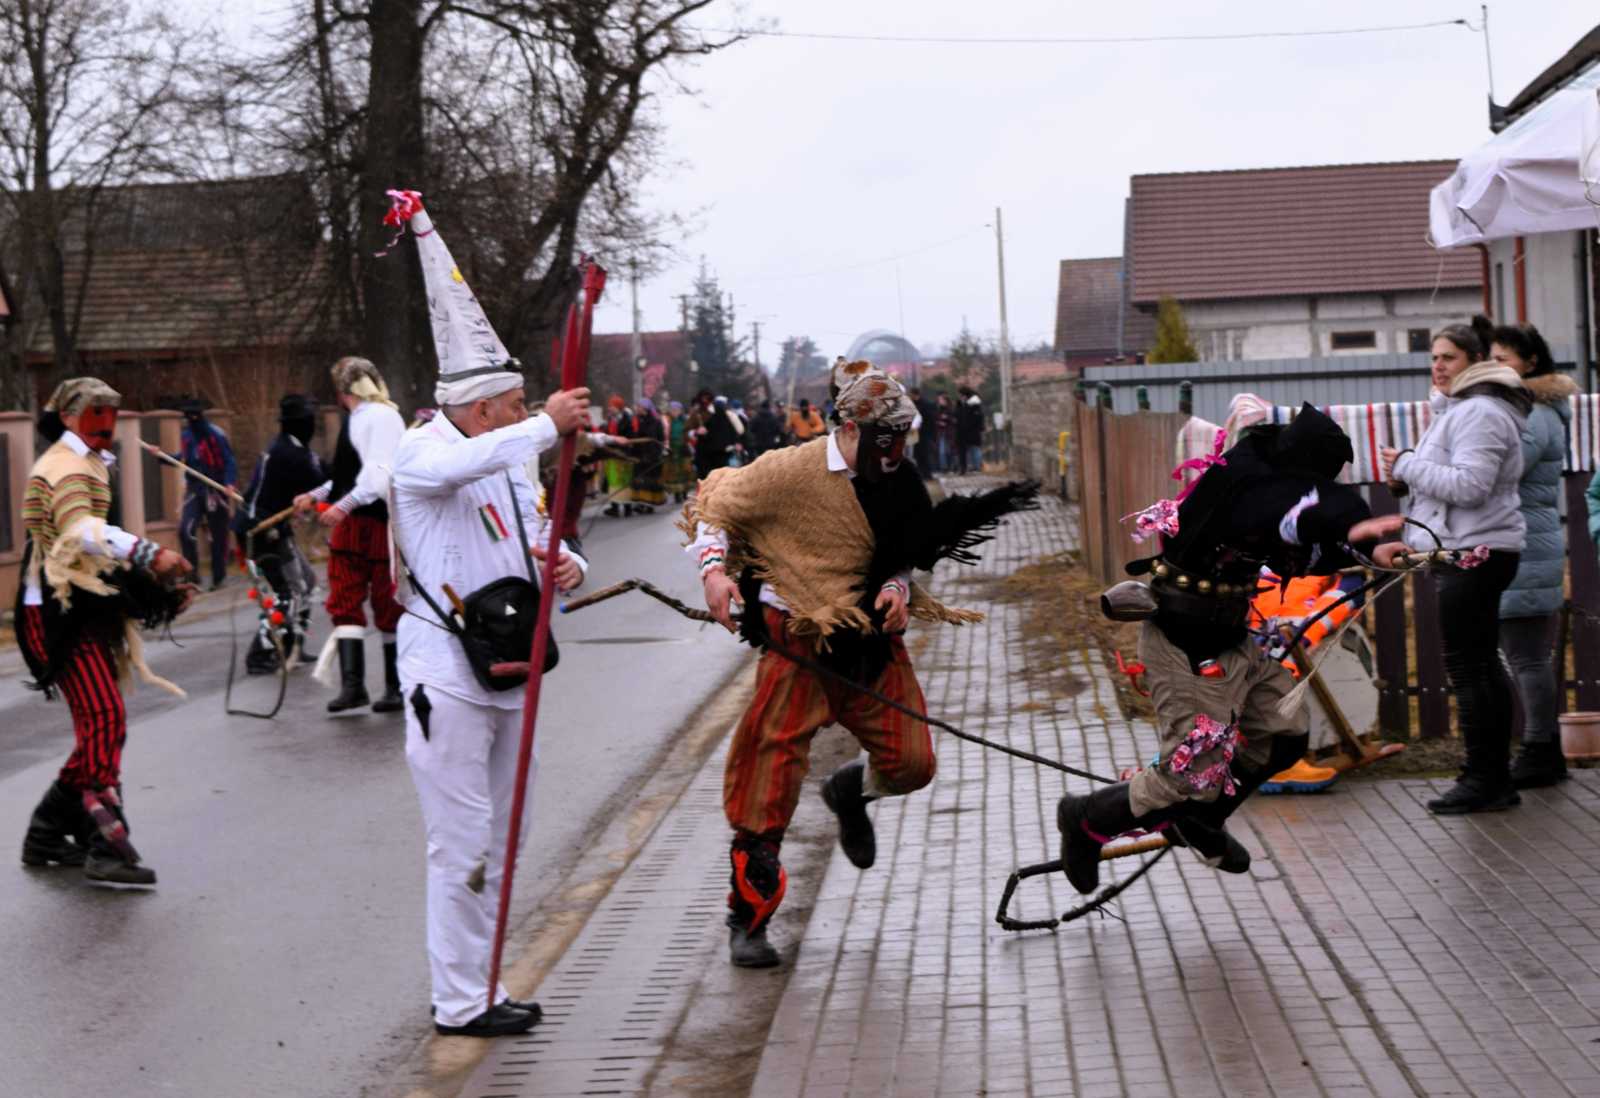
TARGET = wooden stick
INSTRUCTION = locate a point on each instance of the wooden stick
(269, 523)
(1142, 846)
(158, 452)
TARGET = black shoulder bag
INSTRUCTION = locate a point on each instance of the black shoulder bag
(497, 620)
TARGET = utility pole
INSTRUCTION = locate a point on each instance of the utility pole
(636, 347)
(755, 343)
(1005, 338)
(795, 360)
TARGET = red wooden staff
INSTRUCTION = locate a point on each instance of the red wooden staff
(573, 349)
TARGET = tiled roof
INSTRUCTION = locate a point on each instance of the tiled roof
(185, 267)
(1346, 228)
(1087, 310)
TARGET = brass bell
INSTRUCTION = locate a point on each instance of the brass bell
(1182, 581)
(1161, 569)
(1224, 588)
(1204, 587)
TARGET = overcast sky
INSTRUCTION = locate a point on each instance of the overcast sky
(806, 156)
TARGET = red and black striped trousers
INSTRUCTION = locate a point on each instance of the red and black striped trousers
(771, 749)
(99, 717)
(358, 566)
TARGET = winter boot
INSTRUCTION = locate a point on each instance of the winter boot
(1538, 764)
(1473, 793)
(112, 860)
(53, 828)
(758, 882)
(352, 676)
(1087, 822)
(1212, 845)
(842, 792)
(262, 659)
(391, 702)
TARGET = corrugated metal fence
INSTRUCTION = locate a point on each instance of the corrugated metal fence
(1350, 379)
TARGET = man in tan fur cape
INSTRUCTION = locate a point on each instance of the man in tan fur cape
(817, 542)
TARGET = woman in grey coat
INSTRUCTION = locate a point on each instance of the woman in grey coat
(1529, 608)
(1461, 482)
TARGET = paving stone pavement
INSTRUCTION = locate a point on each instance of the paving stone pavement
(1372, 948)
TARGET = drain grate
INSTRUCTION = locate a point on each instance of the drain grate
(614, 999)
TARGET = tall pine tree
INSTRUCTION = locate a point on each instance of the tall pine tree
(1173, 342)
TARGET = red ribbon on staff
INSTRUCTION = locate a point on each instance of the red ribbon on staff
(573, 351)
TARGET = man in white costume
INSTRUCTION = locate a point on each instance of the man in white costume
(459, 485)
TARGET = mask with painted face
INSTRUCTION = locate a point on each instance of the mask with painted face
(97, 425)
(881, 450)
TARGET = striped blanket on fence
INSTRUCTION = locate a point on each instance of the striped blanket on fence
(1374, 426)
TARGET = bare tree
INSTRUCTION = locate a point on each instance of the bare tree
(86, 93)
(527, 126)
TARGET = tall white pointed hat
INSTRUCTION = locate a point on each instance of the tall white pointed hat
(473, 363)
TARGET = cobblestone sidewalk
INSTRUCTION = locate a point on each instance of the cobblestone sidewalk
(1372, 949)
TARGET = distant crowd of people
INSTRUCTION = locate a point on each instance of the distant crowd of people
(644, 453)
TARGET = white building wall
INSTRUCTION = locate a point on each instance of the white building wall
(1304, 327)
(1550, 271)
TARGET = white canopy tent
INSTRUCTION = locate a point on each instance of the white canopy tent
(1541, 174)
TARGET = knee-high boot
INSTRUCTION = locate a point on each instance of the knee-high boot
(757, 884)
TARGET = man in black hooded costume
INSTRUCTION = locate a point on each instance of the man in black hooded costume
(289, 468)
(1269, 502)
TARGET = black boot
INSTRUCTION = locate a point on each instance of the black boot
(1087, 822)
(262, 659)
(842, 793)
(53, 830)
(758, 883)
(1473, 793)
(1538, 764)
(112, 860)
(1212, 845)
(352, 676)
(391, 702)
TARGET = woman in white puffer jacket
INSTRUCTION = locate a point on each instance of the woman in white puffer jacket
(1461, 483)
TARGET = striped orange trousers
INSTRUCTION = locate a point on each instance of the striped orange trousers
(770, 754)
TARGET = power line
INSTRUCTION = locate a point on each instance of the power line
(1056, 40)
(867, 263)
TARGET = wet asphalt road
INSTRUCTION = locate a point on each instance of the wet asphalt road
(283, 951)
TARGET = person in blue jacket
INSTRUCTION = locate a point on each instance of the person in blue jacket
(1530, 606)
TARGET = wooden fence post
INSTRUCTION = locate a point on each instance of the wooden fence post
(1389, 627)
(1585, 630)
(1433, 696)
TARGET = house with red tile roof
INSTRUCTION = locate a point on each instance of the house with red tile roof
(1275, 263)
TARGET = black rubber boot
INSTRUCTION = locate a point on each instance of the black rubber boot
(842, 793)
(1087, 821)
(391, 702)
(352, 676)
(757, 885)
(53, 829)
(1538, 764)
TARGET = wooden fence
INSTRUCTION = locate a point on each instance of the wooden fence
(1125, 462)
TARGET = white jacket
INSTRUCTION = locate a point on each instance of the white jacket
(451, 514)
(1464, 472)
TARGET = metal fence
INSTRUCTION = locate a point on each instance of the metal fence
(1346, 379)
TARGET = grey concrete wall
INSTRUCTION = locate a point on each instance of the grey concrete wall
(1040, 411)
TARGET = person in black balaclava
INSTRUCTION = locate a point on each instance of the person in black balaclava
(1272, 501)
(288, 468)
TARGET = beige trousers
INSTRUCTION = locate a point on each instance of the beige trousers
(1247, 693)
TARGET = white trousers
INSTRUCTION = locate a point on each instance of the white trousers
(465, 771)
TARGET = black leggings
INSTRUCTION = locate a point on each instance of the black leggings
(1469, 619)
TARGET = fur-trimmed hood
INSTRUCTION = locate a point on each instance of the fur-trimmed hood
(1551, 388)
